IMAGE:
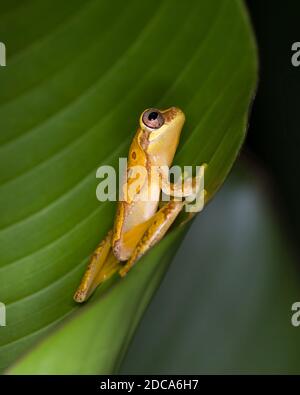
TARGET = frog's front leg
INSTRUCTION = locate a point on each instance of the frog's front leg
(186, 188)
(158, 227)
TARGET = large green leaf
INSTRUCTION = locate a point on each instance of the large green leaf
(69, 102)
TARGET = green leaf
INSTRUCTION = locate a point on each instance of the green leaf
(70, 98)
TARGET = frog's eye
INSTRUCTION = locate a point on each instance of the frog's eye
(153, 118)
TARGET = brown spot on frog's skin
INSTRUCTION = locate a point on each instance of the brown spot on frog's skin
(144, 139)
(133, 155)
(170, 114)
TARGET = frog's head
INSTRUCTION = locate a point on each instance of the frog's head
(161, 132)
(159, 123)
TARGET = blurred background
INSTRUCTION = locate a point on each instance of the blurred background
(237, 301)
(274, 133)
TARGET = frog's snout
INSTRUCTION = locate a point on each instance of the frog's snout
(174, 115)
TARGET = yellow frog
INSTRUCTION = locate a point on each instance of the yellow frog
(139, 222)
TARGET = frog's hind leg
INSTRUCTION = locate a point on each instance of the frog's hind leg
(158, 227)
(102, 265)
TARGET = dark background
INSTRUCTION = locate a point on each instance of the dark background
(273, 136)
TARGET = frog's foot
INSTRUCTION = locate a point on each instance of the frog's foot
(158, 227)
(189, 215)
(102, 265)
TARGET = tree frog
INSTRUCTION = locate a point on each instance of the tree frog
(140, 222)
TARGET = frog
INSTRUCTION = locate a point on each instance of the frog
(141, 219)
